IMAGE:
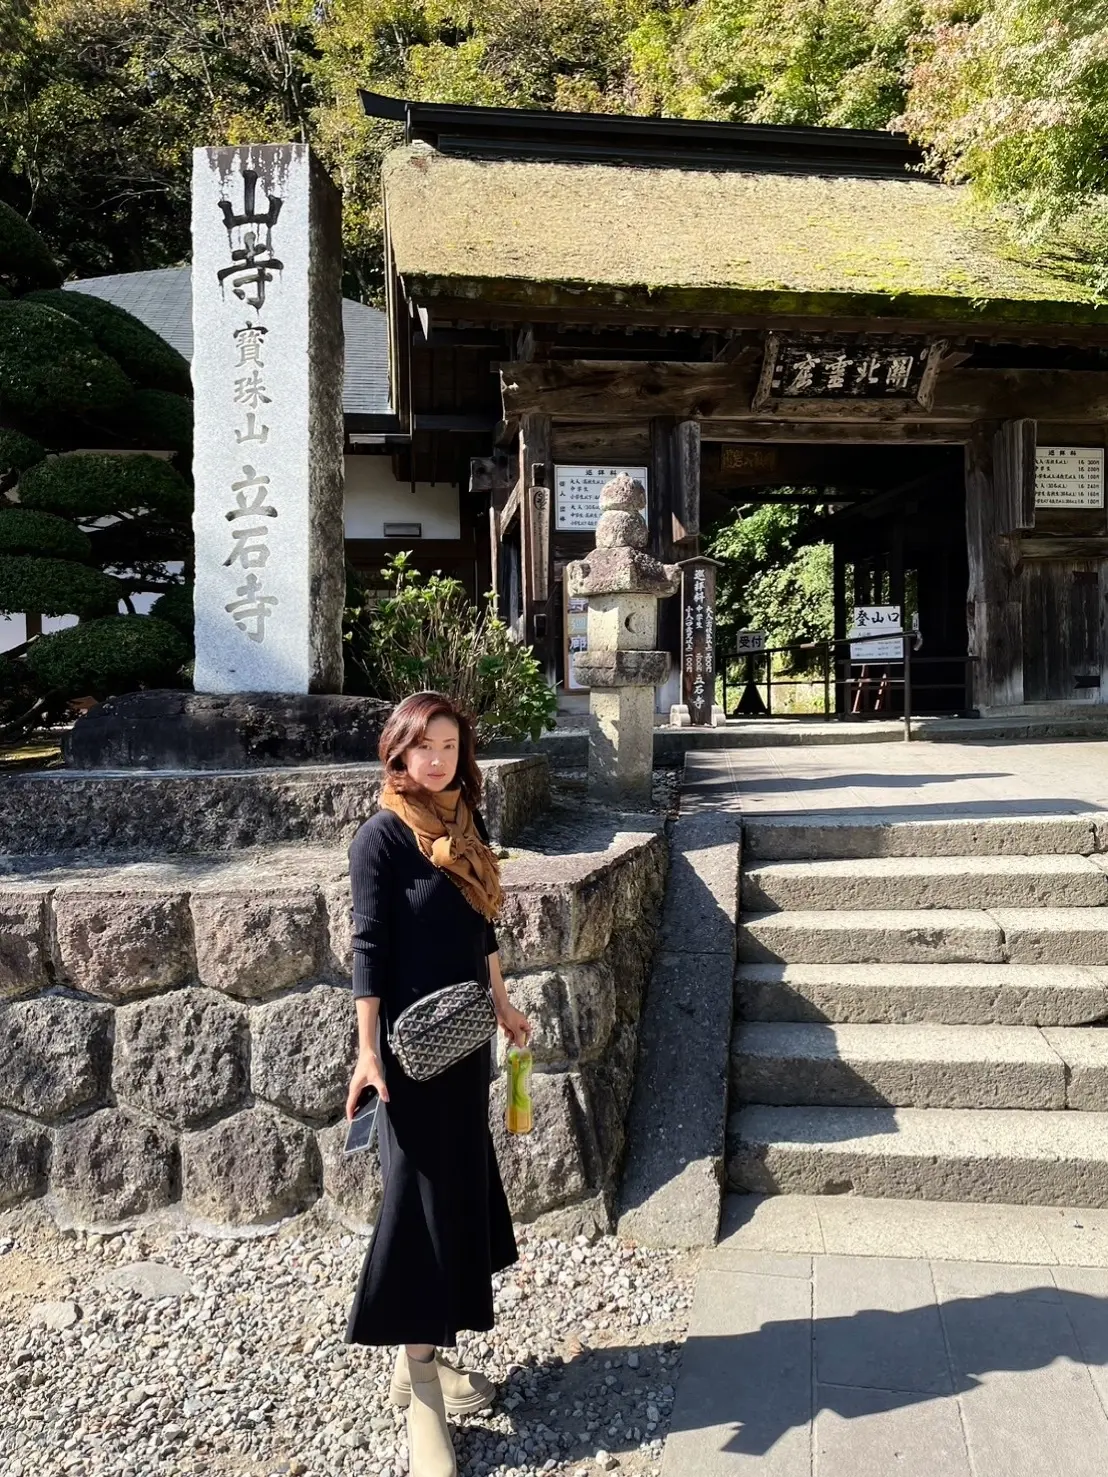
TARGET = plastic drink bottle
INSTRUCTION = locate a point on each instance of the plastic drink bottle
(517, 1116)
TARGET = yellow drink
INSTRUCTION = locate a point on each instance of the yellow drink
(517, 1116)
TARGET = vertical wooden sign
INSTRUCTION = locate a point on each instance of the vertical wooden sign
(698, 638)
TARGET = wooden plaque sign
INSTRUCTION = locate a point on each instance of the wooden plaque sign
(698, 638)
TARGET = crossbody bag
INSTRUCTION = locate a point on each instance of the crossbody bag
(439, 1029)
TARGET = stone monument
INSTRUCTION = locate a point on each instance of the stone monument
(267, 373)
(698, 707)
(623, 584)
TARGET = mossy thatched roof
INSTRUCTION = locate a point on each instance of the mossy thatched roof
(724, 242)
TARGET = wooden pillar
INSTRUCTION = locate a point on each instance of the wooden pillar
(536, 526)
(674, 509)
(1000, 501)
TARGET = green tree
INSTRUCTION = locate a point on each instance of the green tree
(770, 579)
(83, 533)
(1012, 96)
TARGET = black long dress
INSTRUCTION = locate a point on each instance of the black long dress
(444, 1227)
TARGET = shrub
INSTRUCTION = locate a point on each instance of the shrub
(103, 657)
(25, 532)
(18, 453)
(93, 485)
(428, 635)
(157, 421)
(24, 259)
(143, 355)
(55, 587)
(50, 368)
(176, 608)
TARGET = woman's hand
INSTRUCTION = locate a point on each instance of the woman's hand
(514, 1024)
(367, 1073)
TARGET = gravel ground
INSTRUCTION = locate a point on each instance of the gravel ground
(227, 1357)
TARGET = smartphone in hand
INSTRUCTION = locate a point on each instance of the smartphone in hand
(362, 1131)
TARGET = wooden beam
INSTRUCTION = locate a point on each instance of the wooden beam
(1014, 465)
(536, 515)
(685, 453)
(821, 433)
(595, 389)
(1061, 546)
(994, 608)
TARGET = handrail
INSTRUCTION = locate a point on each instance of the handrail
(911, 641)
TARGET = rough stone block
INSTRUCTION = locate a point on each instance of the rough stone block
(122, 943)
(903, 994)
(252, 1168)
(605, 1088)
(938, 936)
(113, 1165)
(181, 1056)
(1085, 1054)
(550, 1166)
(909, 1066)
(561, 908)
(23, 935)
(24, 1156)
(352, 1185)
(304, 1047)
(255, 942)
(340, 931)
(926, 882)
(55, 1055)
(1054, 935)
(1013, 1158)
(571, 1009)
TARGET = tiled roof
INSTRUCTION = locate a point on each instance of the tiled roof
(163, 301)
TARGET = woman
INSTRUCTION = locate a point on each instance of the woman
(426, 888)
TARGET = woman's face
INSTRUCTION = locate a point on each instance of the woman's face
(433, 762)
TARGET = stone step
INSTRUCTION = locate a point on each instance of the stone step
(927, 936)
(858, 834)
(927, 882)
(919, 1066)
(1008, 1156)
(916, 994)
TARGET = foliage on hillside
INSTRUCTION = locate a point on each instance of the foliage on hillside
(101, 101)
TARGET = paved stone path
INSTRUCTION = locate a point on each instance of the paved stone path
(864, 1366)
(922, 781)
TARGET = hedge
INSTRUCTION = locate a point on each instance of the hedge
(51, 368)
(55, 587)
(24, 259)
(142, 354)
(25, 532)
(96, 485)
(103, 657)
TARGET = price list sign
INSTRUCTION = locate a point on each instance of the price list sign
(577, 495)
(1069, 477)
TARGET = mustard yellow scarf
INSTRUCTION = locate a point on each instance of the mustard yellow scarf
(444, 827)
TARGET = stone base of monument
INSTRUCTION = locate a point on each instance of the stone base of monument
(169, 729)
(177, 1034)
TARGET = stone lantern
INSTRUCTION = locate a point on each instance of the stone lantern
(621, 668)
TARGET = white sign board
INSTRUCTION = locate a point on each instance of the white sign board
(750, 641)
(1069, 477)
(876, 620)
(577, 495)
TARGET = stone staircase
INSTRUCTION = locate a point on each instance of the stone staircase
(918, 1009)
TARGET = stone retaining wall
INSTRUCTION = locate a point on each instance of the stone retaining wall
(179, 1031)
(83, 812)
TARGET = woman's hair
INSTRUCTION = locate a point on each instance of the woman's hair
(407, 727)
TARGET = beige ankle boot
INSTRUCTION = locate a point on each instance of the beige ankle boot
(430, 1450)
(464, 1391)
